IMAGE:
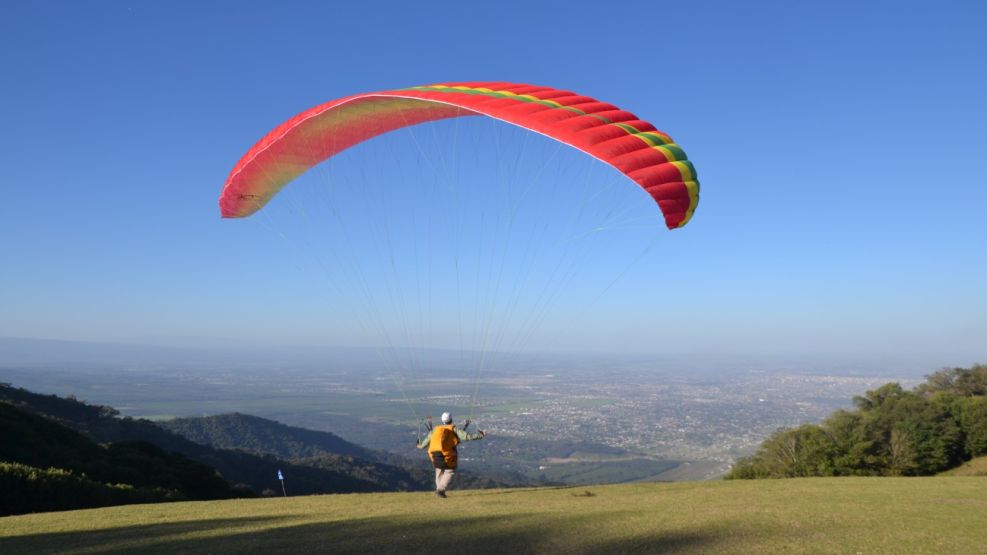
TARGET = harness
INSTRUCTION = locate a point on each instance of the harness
(442, 447)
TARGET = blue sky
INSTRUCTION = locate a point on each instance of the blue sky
(839, 145)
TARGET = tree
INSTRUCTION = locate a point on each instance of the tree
(892, 431)
(854, 452)
(962, 382)
(789, 453)
(901, 454)
(971, 413)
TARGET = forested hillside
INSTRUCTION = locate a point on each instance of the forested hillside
(92, 442)
(63, 453)
(46, 466)
(260, 435)
(891, 432)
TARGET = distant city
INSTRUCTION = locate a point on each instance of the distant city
(712, 421)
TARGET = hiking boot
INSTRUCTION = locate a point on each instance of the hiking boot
(441, 494)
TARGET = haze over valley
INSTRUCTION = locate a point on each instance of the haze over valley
(559, 418)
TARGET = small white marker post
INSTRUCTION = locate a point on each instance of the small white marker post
(281, 477)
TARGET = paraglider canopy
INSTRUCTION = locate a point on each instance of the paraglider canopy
(636, 148)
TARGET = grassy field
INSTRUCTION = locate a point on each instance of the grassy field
(823, 515)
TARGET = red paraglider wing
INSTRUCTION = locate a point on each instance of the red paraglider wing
(647, 156)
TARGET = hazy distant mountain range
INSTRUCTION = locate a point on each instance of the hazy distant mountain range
(66, 355)
(41, 352)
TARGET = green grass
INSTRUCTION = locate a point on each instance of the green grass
(822, 515)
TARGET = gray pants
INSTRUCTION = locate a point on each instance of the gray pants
(443, 477)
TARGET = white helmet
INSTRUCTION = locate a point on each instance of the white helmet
(446, 418)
